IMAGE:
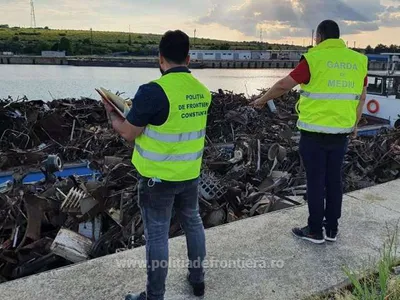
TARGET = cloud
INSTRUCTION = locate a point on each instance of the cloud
(296, 18)
(390, 17)
(223, 19)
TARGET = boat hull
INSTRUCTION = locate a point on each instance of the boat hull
(388, 109)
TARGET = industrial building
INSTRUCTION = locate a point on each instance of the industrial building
(245, 55)
(53, 53)
(220, 54)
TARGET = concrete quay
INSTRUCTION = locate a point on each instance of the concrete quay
(272, 263)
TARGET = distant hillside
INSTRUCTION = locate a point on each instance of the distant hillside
(83, 42)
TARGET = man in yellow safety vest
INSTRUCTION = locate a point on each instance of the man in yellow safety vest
(333, 83)
(167, 121)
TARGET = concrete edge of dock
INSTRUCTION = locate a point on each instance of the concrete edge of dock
(256, 258)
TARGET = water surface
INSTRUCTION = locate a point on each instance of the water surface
(47, 82)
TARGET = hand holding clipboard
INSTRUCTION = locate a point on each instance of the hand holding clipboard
(117, 103)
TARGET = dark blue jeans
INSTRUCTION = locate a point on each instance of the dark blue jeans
(157, 203)
(323, 158)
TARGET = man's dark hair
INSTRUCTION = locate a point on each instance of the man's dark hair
(328, 29)
(174, 46)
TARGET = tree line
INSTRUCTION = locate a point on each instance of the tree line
(81, 47)
(382, 49)
(86, 46)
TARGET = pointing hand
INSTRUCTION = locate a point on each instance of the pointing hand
(258, 103)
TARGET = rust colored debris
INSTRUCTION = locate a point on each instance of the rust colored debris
(251, 167)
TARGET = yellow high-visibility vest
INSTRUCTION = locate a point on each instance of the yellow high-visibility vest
(174, 150)
(328, 103)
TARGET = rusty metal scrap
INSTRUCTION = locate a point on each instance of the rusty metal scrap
(260, 143)
(75, 129)
(251, 167)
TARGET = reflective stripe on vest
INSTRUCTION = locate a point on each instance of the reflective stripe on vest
(182, 137)
(324, 129)
(168, 157)
(330, 96)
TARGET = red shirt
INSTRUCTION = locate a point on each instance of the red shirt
(302, 73)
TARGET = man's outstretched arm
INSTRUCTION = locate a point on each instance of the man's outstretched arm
(278, 89)
(301, 74)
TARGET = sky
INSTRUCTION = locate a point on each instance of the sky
(364, 22)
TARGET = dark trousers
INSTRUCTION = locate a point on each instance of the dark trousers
(323, 157)
(157, 201)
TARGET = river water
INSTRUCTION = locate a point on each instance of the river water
(48, 82)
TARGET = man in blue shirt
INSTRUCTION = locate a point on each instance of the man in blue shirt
(152, 107)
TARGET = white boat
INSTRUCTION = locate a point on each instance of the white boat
(383, 97)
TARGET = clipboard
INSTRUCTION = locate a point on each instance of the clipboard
(105, 98)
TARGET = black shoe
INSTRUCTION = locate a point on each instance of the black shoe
(141, 296)
(305, 234)
(331, 235)
(198, 288)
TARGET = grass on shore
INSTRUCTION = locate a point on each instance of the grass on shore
(379, 284)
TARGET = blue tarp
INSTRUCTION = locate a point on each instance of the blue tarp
(34, 176)
(378, 57)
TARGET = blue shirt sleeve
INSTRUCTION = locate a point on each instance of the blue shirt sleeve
(150, 106)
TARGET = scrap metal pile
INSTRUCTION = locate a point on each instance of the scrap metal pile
(251, 167)
(74, 129)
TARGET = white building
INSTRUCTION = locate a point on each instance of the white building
(260, 55)
(6, 53)
(220, 54)
(286, 54)
(53, 53)
(245, 55)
